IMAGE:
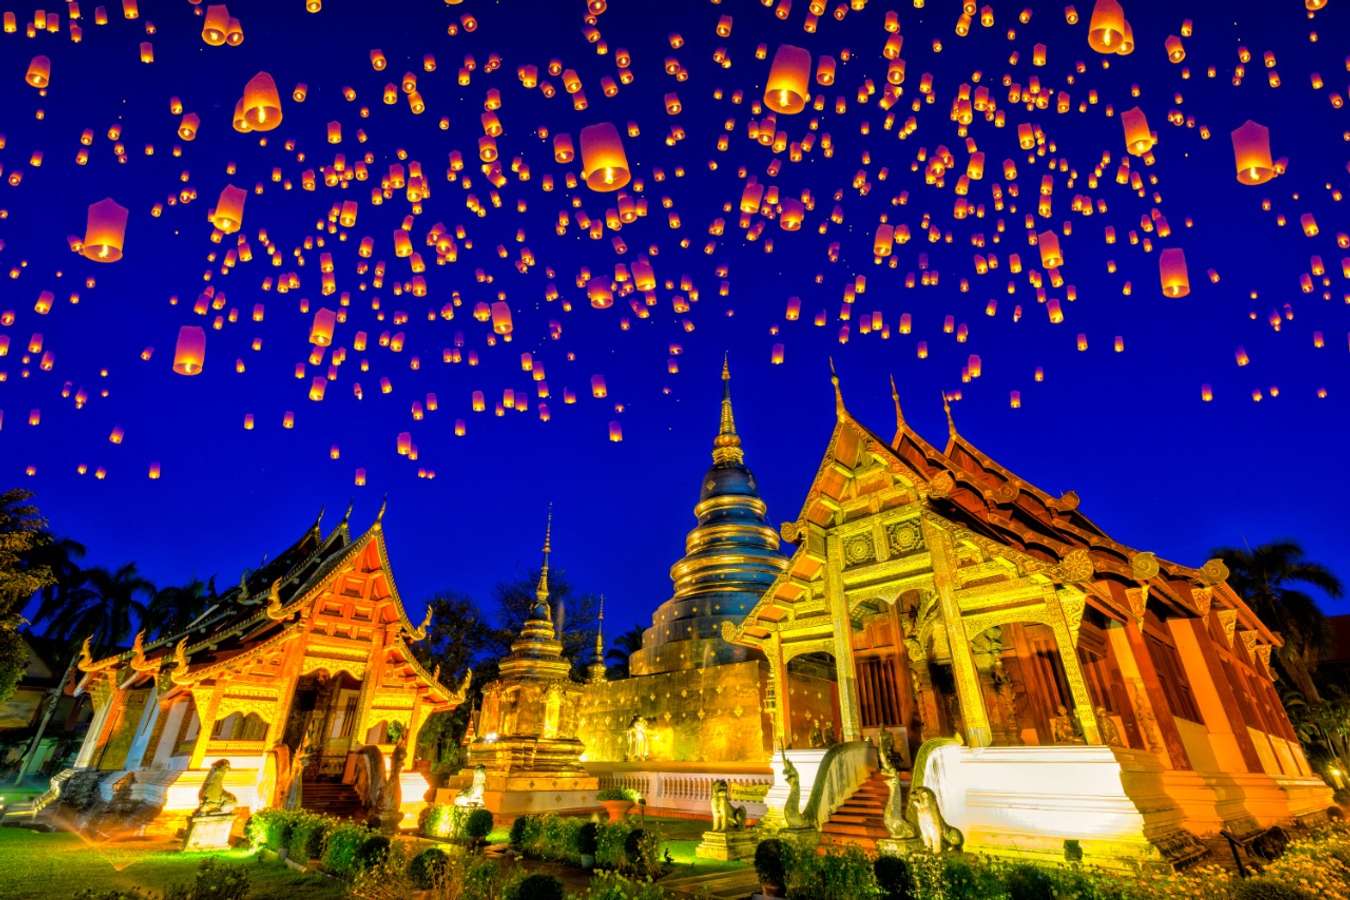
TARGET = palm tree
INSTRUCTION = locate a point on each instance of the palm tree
(104, 608)
(172, 609)
(62, 558)
(621, 647)
(1265, 577)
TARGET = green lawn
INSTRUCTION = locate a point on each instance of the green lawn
(35, 865)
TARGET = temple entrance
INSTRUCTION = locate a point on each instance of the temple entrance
(813, 701)
(1024, 686)
(324, 708)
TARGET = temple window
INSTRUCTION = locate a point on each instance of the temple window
(240, 727)
(187, 731)
(1172, 677)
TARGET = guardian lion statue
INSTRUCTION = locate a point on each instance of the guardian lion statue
(725, 817)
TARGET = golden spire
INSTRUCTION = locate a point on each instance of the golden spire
(947, 410)
(596, 669)
(727, 445)
(541, 591)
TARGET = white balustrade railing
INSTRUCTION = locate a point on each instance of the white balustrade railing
(688, 792)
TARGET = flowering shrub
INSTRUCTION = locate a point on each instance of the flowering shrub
(613, 886)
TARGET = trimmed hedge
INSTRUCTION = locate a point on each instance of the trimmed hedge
(342, 850)
(618, 845)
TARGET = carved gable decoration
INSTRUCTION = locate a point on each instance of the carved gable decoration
(905, 537)
(1074, 567)
(859, 549)
(1228, 625)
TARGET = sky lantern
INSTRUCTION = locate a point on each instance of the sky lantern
(786, 90)
(105, 231)
(39, 73)
(1051, 257)
(188, 125)
(1106, 29)
(1138, 139)
(604, 165)
(216, 25)
(501, 318)
(1251, 154)
(261, 103)
(321, 330)
(1176, 280)
(228, 214)
(189, 353)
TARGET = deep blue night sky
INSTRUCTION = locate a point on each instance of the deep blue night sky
(1155, 466)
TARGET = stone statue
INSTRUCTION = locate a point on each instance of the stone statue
(391, 794)
(725, 817)
(792, 806)
(934, 832)
(637, 741)
(472, 796)
(893, 815)
(1064, 728)
(213, 799)
(1106, 726)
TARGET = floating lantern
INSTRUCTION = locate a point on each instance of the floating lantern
(39, 73)
(1251, 153)
(189, 354)
(105, 231)
(261, 103)
(1106, 29)
(216, 25)
(1176, 280)
(1138, 139)
(1051, 257)
(321, 330)
(604, 165)
(228, 215)
(785, 91)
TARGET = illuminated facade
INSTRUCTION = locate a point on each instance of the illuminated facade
(290, 674)
(1100, 696)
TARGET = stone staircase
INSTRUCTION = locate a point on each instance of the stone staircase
(860, 821)
(332, 798)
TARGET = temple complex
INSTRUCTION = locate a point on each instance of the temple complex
(291, 679)
(1032, 684)
(526, 741)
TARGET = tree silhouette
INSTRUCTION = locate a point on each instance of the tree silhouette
(622, 646)
(1265, 577)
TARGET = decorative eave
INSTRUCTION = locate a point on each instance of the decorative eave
(449, 699)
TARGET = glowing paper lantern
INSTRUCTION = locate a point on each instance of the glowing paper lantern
(261, 103)
(39, 73)
(1106, 29)
(189, 354)
(1251, 153)
(105, 231)
(604, 165)
(321, 331)
(1138, 139)
(1176, 280)
(1051, 257)
(786, 90)
(228, 214)
(216, 25)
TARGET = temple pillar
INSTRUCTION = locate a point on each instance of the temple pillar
(145, 729)
(105, 700)
(290, 679)
(973, 714)
(1150, 702)
(1214, 695)
(206, 716)
(371, 680)
(781, 687)
(850, 715)
(1073, 671)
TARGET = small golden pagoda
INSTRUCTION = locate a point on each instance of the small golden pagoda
(527, 728)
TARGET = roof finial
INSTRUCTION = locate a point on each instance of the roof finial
(895, 398)
(727, 445)
(947, 410)
(541, 590)
(348, 514)
(319, 519)
(379, 516)
(839, 410)
(596, 670)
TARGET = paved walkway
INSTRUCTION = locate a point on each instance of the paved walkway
(735, 885)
